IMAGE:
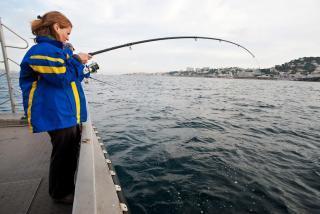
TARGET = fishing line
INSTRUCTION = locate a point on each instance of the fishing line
(101, 81)
(107, 83)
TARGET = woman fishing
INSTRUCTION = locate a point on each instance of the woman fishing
(53, 98)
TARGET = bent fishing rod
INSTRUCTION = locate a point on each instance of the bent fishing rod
(169, 38)
(160, 39)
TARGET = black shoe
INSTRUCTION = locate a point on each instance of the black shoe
(65, 200)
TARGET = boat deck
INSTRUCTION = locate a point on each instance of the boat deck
(24, 169)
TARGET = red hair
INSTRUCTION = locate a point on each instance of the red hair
(43, 26)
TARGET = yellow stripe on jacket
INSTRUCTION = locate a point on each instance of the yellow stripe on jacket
(52, 59)
(48, 69)
(33, 88)
(77, 99)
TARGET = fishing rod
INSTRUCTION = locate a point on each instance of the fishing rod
(94, 66)
(169, 38)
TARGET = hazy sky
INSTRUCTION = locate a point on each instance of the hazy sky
(276, 31)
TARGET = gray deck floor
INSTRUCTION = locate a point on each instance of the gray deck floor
(24, 165)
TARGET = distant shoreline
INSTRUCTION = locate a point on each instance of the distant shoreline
(311, 79)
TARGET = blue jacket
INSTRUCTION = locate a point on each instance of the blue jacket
(50, 80)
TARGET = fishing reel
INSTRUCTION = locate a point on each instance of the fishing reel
(89, 69)
(93, 67)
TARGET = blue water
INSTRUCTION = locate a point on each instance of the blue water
(201, 145)
(5, 105)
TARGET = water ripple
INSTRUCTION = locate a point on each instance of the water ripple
(197, 145)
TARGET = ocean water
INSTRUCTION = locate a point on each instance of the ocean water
(5, 105)
(202, 145)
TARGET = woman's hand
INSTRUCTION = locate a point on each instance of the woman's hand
(84, 57)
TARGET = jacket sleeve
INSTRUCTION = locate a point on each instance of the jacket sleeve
(79, 68)
(53, 68)
(76, 64)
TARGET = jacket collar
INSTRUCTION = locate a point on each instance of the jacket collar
(50, 40)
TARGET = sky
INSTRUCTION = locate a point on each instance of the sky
(276, 31)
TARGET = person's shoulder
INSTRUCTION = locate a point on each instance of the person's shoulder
(46, 49)
(68, 52)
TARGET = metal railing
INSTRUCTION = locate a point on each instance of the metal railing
(6, 60)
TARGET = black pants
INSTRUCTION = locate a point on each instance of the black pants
(64, 161)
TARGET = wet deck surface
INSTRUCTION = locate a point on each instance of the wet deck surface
(24, 168)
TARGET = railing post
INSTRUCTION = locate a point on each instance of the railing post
(6, 66)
